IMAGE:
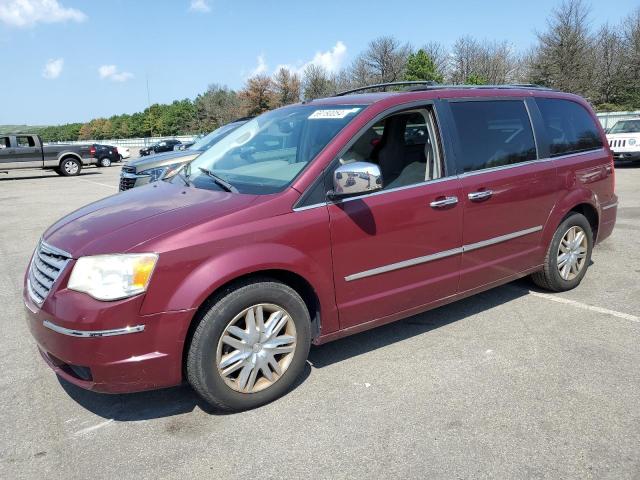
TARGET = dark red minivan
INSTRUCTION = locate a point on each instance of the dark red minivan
(316, 221)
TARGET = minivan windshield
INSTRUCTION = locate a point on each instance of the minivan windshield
(208, 141)
(626, 126)
(265, 154)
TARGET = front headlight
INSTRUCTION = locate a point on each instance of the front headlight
(159, 173)
(632, 141)
(113, 277)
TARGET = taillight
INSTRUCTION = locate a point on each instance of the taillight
(92, 150)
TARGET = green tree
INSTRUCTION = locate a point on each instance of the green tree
(420, 66)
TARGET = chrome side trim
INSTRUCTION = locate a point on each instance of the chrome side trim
(614, 204)
(403, 264)
(501, 238)
(92, 333)
(309, 207)
(379, 192)
(528, 162)
(444, 254)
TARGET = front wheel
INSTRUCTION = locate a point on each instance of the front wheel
(69, 167)
(104, 162)
(250, 346)
(568, 257)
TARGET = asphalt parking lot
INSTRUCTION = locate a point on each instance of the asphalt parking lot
(512, 383)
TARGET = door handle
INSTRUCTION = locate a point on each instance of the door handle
(481, 195)
(444, 202)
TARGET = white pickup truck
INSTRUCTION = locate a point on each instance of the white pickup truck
(27, 151)
(624, 140)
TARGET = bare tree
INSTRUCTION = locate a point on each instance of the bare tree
(385, 59)
(439, 55)
(563, 58)
(490, 62)
(257, 96)
(631, 49)
(286, 87)
(316, 82)
(609, 64)
(464, 59)
(359, 73)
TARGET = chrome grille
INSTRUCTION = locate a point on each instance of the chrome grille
(126, 183)
(46, 266)
(127, 178)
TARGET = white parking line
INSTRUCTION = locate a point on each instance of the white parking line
(93, 427)
(97, 183)
(585, 306)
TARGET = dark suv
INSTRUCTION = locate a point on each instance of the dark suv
(105, 155)
(163, 146)
(316, 221)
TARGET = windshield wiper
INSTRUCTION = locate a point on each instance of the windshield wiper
(219, 181)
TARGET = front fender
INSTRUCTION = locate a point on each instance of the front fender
(184, 279)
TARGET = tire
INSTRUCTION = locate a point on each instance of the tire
(70, 167)
(556, 279)
(104, 162)
(209, 355)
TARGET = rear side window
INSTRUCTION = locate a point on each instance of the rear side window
(570, 128)
(493, 133)
(25, 142)
(4, 143)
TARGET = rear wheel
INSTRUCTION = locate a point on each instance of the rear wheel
(69, 167)
(568, 257)
(250, 346)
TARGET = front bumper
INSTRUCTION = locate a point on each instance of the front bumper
(626, 156)
(108, 346)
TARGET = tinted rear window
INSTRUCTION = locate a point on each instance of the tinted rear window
(570, 128)
(493, 133)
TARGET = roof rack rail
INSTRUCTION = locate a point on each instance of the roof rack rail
(430, 85)
(504, 86)
(385, 85)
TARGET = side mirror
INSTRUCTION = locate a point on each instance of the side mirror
(355, 178)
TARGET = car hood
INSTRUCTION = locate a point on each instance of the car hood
(118, 223)
(612, 136)
(163, 159)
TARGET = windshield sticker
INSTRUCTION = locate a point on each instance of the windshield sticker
(332, 114)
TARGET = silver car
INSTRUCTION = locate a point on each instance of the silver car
(165, 165)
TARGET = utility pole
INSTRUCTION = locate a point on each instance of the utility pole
(149, 105)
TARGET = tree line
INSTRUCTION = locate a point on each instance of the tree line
(602, 64)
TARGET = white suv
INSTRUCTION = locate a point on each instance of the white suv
(624, 140)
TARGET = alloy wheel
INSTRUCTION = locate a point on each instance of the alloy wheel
(256, 348)
(572, 253)
(70, 167)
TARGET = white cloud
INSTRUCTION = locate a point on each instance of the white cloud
(201, 6)
(331, 60)
(53, 68)
(26, 13)
(262, 67)
(111, 72)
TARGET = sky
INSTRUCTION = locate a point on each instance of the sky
(73, 60)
